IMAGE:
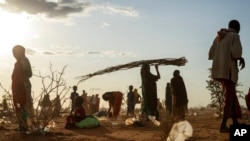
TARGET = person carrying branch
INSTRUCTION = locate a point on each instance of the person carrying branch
(149, 91)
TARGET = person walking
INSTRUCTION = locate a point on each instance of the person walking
(226, 53)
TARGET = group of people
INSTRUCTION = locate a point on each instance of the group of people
(176, 99)
(225, 53)
(176, 94)
(91, 103)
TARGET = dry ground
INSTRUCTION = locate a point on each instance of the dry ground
(204, 123)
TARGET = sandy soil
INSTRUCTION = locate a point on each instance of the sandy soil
(204, 124)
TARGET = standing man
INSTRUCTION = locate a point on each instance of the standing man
(21, 88)
(179, 95)
(225, 53)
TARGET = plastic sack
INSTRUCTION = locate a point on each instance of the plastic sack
(129, 121)
(156, 122)
(180, 131)
(88, 122)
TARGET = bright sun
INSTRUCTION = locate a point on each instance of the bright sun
(14, 29)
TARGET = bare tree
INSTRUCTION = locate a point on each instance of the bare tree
(52, 84)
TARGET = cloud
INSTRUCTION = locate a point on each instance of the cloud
(51, 9)
(104, 25)
(48, 53)
(59, 9)
(125, 11)
(66, 50)
(109, 53)
(93, 52)
(29, 51)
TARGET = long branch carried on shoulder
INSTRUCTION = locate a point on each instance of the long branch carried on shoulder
(165, 61)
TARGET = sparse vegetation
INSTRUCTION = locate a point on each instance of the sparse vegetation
(45, 109)
(217, 97)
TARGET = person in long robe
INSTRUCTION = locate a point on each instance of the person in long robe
(168, 99)
(115, 100)
(149, 91)
(21, 88)
(225, 52)
(179, 94)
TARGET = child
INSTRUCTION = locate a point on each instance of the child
(77, 115)
(73, 95)
(79, 111)
(131, 101)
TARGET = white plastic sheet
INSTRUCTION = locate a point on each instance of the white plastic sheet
(180, 131)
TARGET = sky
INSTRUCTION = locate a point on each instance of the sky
(91, 35)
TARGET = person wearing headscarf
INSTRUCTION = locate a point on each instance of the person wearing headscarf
(115, 100)
(21, 87)
(179, 94)
(168, 99)
(149, 91)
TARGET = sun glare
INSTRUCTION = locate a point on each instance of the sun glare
(14, 29)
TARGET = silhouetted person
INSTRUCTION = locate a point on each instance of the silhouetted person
(85, 103)
(130, 101)
(5, 105)
(179, 95)
(168, 99)
(149, 91)
(73, 95)
(21, 88)
(57, 105)
(225, 53)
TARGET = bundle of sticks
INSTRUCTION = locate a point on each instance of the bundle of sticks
(165, 61)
